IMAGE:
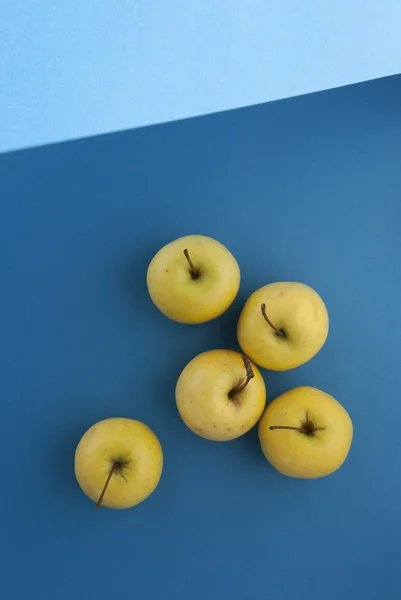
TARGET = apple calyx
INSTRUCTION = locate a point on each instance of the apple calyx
(117, 467)
(308, 427)
(195, 273)
(232, 394)
(277, 331)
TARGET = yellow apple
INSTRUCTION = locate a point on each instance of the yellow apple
(193, 279)
(305, 433)
(220, 395)
(118, 462)
(283, 325)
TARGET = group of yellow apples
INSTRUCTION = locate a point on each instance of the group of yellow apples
(221, 394)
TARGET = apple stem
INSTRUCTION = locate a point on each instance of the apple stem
(249, 375)
(287, 427)
(277, 331)
(307, 427)
(193, 270)
(116, 466)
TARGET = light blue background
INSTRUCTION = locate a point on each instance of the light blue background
(71, 69)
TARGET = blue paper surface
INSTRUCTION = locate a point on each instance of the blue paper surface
(304, 189)
(73, 69)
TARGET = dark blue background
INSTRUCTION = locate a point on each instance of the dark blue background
(306, 189)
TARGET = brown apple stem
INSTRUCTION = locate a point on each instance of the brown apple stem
(193, 270)
(277, 331)
(307, 427)
(285, 427)
(115, 467)
(249, 375)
